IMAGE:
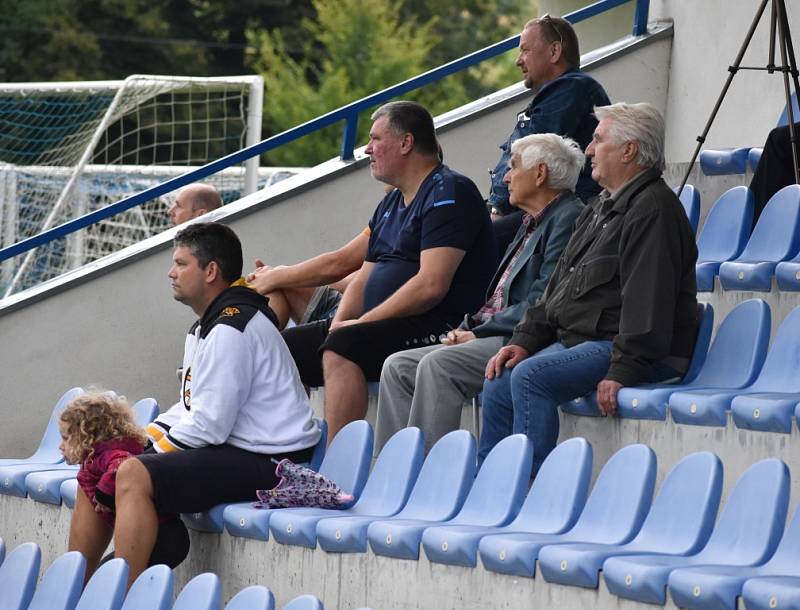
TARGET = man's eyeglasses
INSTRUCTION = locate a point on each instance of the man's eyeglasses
(547, 19)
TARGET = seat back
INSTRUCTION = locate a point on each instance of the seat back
(152, 590)
(2, 551)
(683, 513)
(145, 411)
(737, 354)
(106, 588)
(304, 602)
(252, 598)
(48, 451)
(203, 592)
(444, 479)
(781, 370)
(784, 118)
(347, 460)
(727, 226)
(559, 490)
(18, 575)
(61, 585)
(499, 488)
(690, 199)
(319, 449)
(751, 522)
(776, 236)
(393, 475)
(705, 326)
(620, 498)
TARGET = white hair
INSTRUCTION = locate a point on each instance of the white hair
(638, 123)
(562, 156)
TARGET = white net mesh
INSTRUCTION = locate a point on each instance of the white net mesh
(67, 152)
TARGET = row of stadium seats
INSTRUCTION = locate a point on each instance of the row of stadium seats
(736, 375)
(61, 587)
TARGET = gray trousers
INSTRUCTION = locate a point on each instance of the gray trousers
(426, 387)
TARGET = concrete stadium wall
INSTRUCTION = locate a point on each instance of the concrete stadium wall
(113, 324)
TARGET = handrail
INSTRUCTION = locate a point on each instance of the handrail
(348, 113)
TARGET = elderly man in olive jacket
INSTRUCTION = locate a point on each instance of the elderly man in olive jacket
(621, 305)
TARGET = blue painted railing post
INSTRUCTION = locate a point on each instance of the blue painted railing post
(640, 17)
(349, 136)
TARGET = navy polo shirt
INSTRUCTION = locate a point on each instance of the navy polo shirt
(447, 211)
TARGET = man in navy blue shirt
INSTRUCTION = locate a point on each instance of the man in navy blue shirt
(564, 101)
(430, 256)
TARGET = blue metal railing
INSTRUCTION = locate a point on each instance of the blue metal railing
(348, 113)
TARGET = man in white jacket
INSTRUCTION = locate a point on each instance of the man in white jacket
(241, 404)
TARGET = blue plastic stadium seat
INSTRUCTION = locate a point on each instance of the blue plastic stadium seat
(779, 375)
(2, 551)
(346, 463)
(60, 587)
(304, 602)
(613, 514)
(68, 490)
(554, 502)
(754, 157)
(213, 520)
(690, 199)
(712, 587)
(152, 590)
(679, 523)
(746, 534)
(18, 575)
(766, 411)
(733, 361)
(775, 238)
(45, 485)
(384, 495)
(587, 405)
(438, 494)
(770, 592)
(203, 592)
(252, 598)
(444, 481)
(784, 118)
(106, 588)
(724, 235)
(787, 274)
(724, 162)
(48, 451)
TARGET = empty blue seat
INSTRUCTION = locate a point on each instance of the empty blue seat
(775, 238)
(252, 598)
(213, 520)
(724, 235)
(767, 411)
(18, 575)
(679, 523)
(724, 162)
(770, 592)
(553, 504)
(106, 588)
(203, 592)
(48, 451)
(440, 491)
(442, 484)
(747, 532)
(613, 514)
(152, 590)
(754, 157)
(733, 361)
(784, 118)
(68, 490)
(45, 485)
(787, 274)
(304, 602)
(587, 405)
(346, 463)
(780, 374)
(690, 199)
(385, 493)
(711, 587)
(60, 587)
(2, 551)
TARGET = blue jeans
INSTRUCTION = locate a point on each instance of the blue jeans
(525, 400)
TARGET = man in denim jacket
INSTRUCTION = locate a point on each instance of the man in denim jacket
(549, 58)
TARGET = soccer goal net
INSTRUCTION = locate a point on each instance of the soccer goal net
(67, 149)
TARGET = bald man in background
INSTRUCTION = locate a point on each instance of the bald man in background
(192, 201)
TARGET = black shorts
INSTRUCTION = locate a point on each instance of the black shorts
(195, 480)
(368, 345)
